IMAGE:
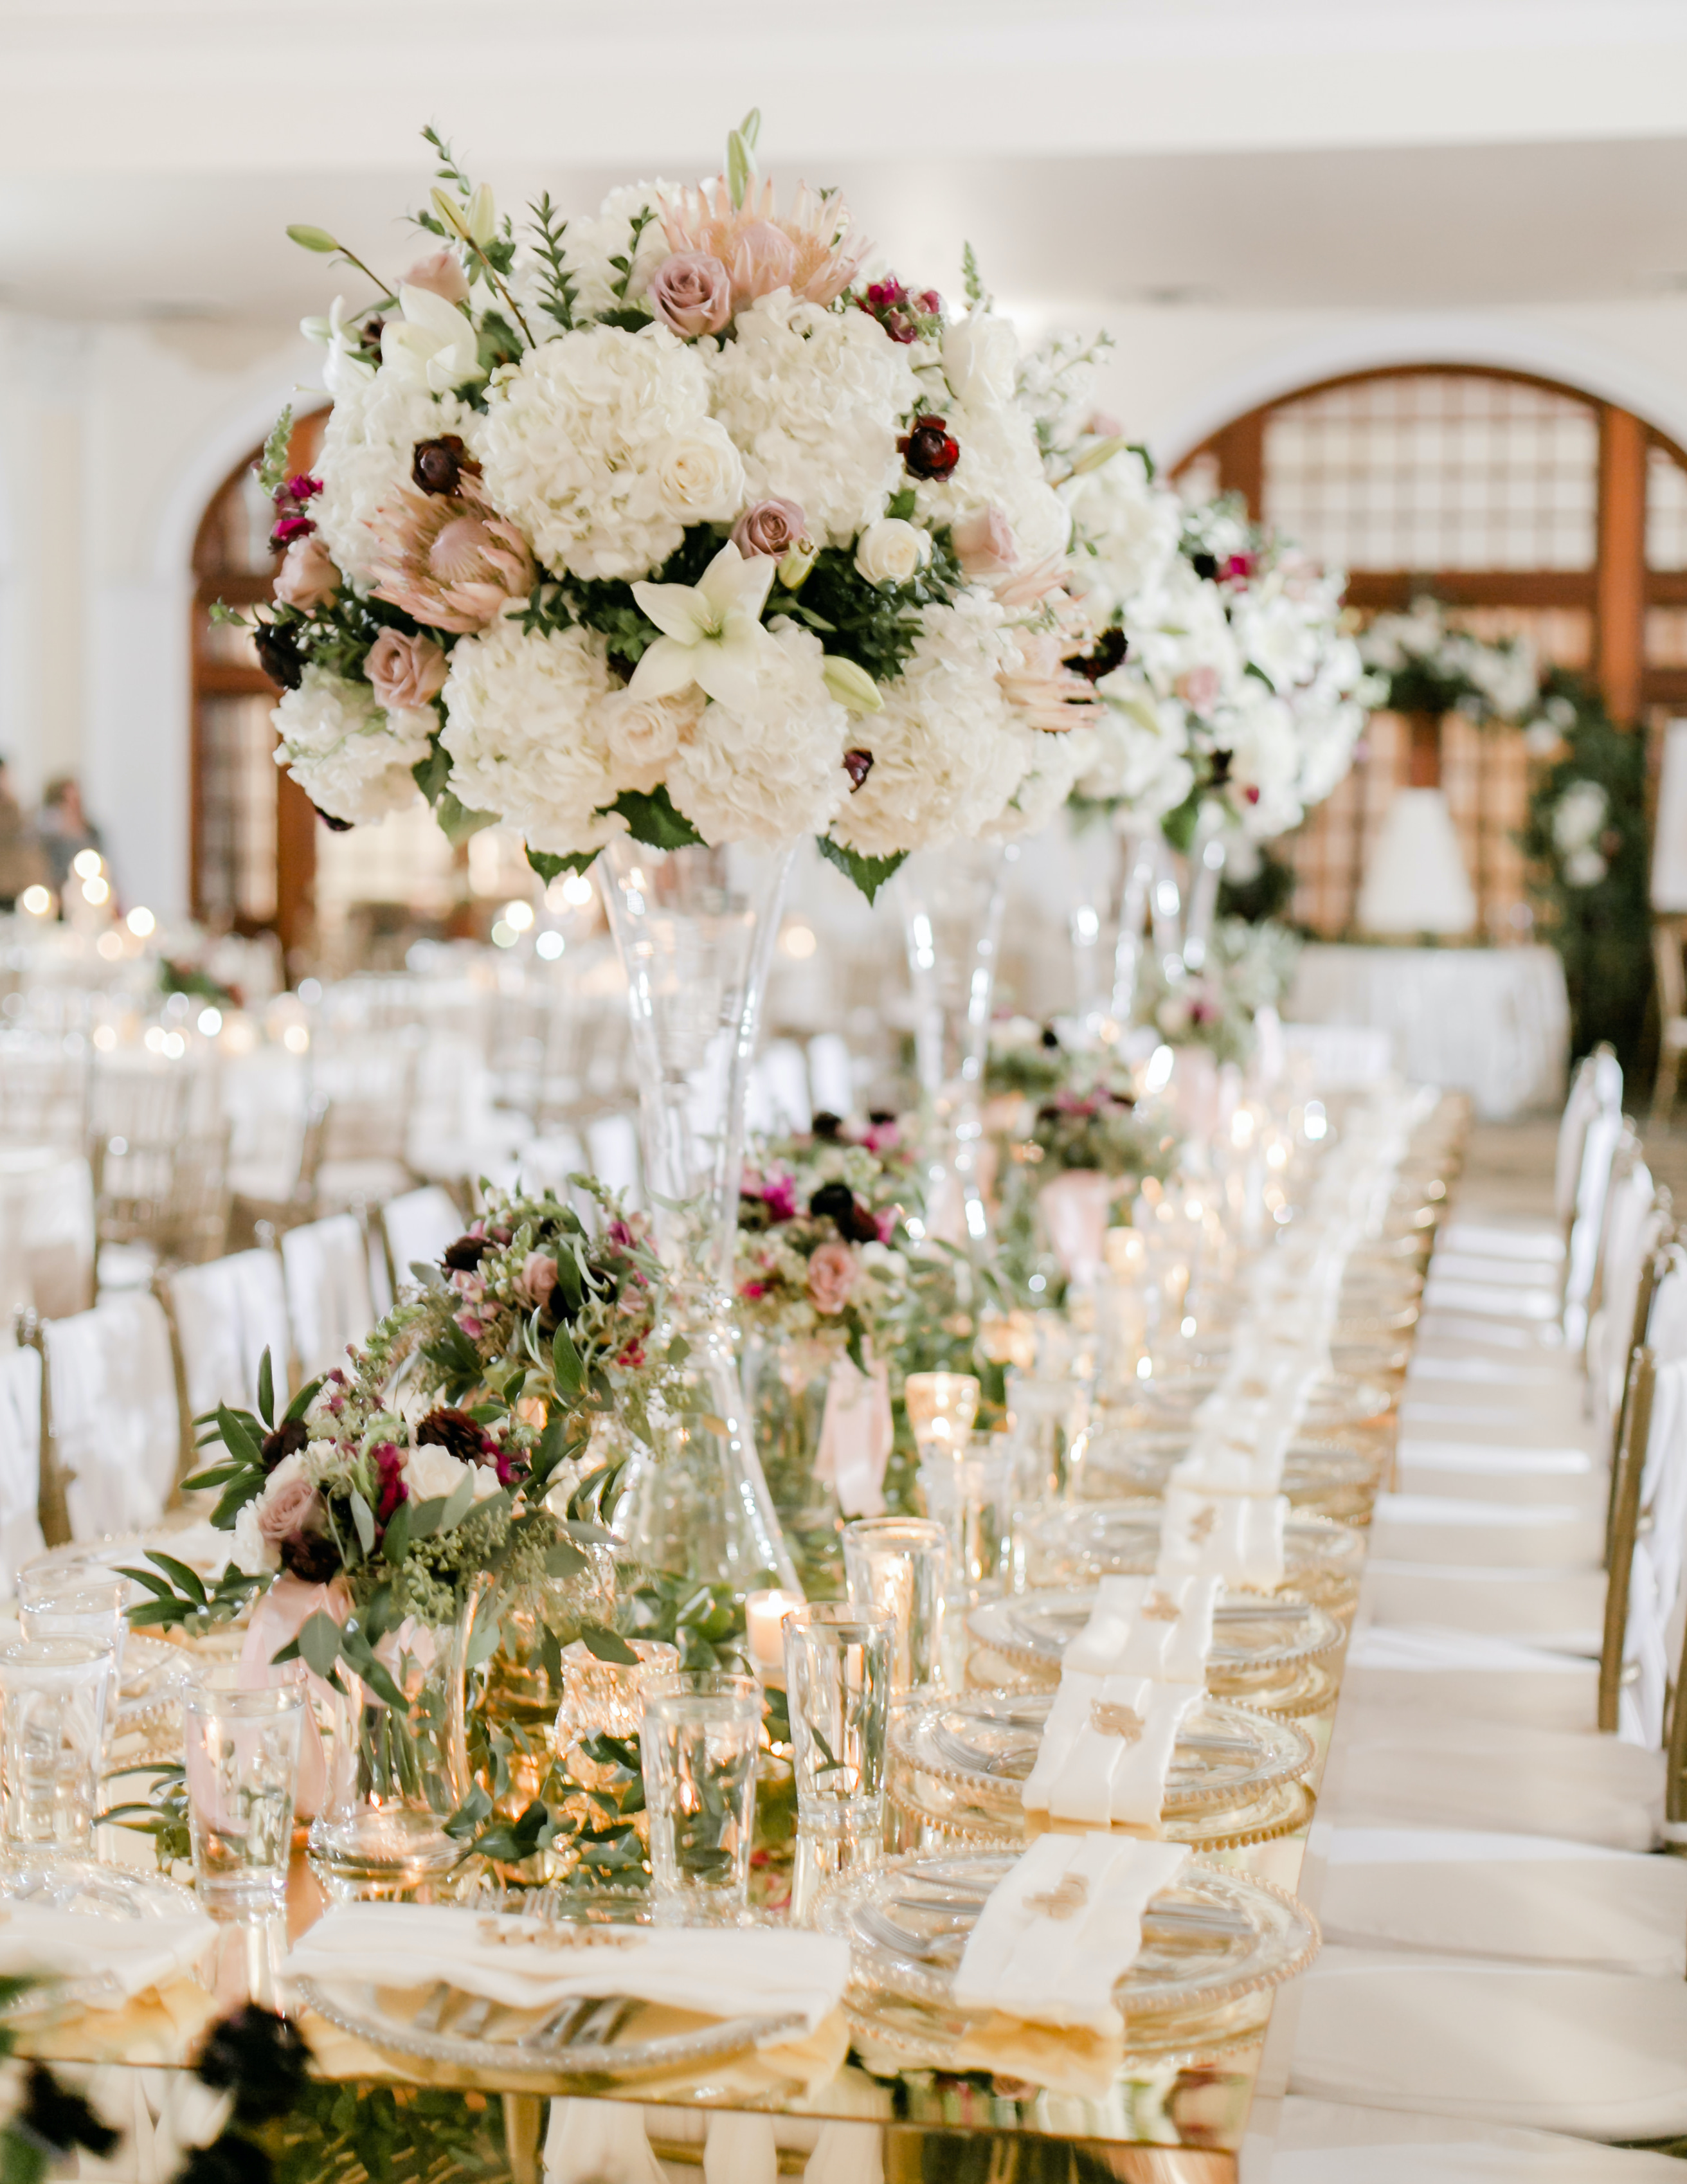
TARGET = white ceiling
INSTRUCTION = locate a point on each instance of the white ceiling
(1453, 153)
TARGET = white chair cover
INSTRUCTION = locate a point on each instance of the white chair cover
(20, 1461)
(116, 1431)
(1656, 1606)
(1328, 2142)
(1560, 1608)
(47, 1231)
(1579, 1110)
(1605, 1134)
(1414, 1767)
(228, 1313)
(419, 1226)
(1595, 2054)
(327, 1266)
(1481, 1678)
(1526, 1898)
(1445, 1528)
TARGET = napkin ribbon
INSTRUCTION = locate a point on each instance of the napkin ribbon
(278, 1619)
(1107, 1748)
(857, 1432)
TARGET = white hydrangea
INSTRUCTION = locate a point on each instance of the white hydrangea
(1258, 730)
(765, 776)
(528, 736)
(1052, 763)
(1141, 749)
(351, 759)
(1181, 640)
(1001, 465)
(816, 401)
(948, 751)
(600, 444)
(367, 448)
(1125, 531)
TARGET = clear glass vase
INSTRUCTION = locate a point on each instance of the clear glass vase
(787, 1383)
(694, 928)
(395, 1775)
(952, 901)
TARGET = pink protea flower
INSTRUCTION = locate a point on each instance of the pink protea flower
(810, 251)
(448, 559)
(1027, 586)
(1046, 691)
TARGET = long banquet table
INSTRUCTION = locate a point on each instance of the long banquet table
(1205, 2122)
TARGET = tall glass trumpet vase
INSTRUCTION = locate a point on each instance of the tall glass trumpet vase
(1206, 870)
(952, 901)
(694, 928)
(1150, 911)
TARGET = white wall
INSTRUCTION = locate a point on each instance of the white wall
(112, 438)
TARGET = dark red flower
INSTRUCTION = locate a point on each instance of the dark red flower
(1107, 653)
(438, 465)
(276, 646)
(855, 1224)
(310, 1556)
(1252, 793)
(1237, 569)
(929, 300)
(289, 1438)
(389, 1466)
(463, 1257)
(927, 448)
(858, 765)
(457, 1432)
(289, 528)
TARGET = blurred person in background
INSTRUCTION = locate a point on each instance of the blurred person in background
(65, 830)
(23, 863)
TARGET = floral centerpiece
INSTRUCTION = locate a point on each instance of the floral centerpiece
(822, 1286)
(1426, 665)
(372, 1518)
(1248, 968)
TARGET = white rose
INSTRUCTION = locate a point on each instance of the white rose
(892, 552)
(700, 475)
(644, 734)
(253, 1554)
(431, 1472)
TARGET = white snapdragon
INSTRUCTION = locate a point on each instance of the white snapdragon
(814, 402)
(351, 760)
(528, 736)
(596, 444)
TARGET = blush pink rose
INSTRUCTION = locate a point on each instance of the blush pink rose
(1199, 687)
(832, 1277)
(538, 1276)
(692, 294)
(287, 1508)
(984, 543)
(307, 577)
(771, 528)
(441, 275)
(405, 670)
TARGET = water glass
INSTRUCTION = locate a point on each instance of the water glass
(54, 1693)
(838, 1668)
(77, 1603)
(243, 1745)
(898, 1567)
(698, 1741)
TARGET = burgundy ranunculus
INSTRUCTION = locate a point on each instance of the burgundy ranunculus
(463, 1257)
(836, 1203)
(288, 1439)
(456, 1432)
(289, 528)
(278, 655)
(389, 1467)
(301, 487)
(858, 765)
(438, 465)
(311, 1557)
(927, 448)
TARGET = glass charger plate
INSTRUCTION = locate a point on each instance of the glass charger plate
(80, 1888)
(1337, 1400)
(1076, 1542)
(1320, 1473)
(1211, 1941)
(986, 1743)
(1253, 1633)
(649, 2042)
(932, 1815)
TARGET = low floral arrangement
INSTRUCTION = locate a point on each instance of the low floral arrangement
(1236, 685)
(1024, 1059)
(1095, 1122)
(673, 522)
(1248, 968)
(820, 1219)
(1425, 664)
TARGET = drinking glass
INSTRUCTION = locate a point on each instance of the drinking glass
(837, 1665)
(242, 1741)
(897, 1566)
(78, 1603)
(53, 1697)
(698, 1741)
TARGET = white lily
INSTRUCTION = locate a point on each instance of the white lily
(433, 343)
(347, 364)
(711, 632)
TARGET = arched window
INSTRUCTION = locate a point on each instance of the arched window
(1530, 507)
(254, 831)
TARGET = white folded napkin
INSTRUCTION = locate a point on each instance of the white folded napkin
(752, 1971)
(127, 1954)
(1059, 1933)
(1238, 1537)
(1106, 1747)
(1141, 1627)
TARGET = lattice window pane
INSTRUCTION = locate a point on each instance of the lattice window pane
(1436, 471)
(1665, 511)
(236, 809)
